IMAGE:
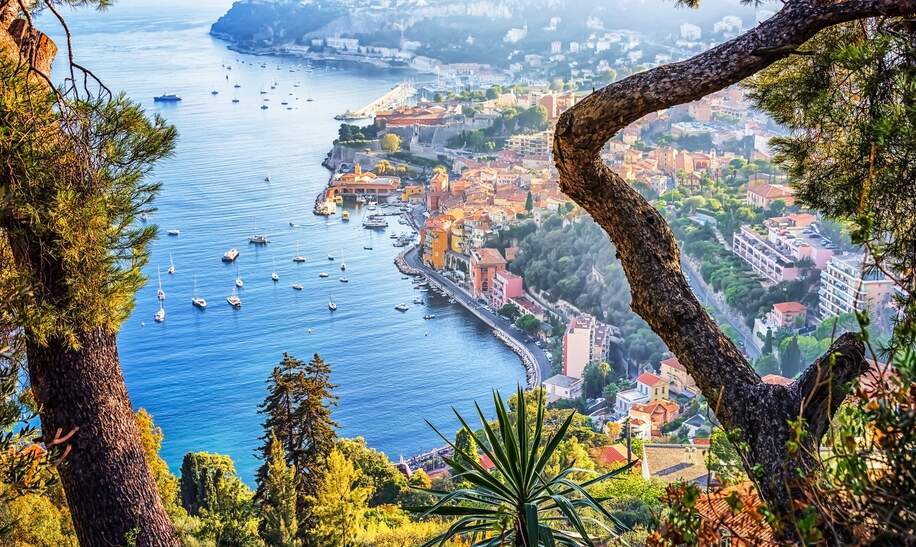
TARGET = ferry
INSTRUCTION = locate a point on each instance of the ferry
(231, 255)
(375, 221)
(167, 98)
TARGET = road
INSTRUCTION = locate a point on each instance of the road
(544, 369)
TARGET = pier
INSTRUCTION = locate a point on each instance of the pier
(396, 97)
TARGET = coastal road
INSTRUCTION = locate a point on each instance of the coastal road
(544, 369)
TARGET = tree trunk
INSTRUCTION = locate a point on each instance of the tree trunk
(110, 492)
(651, 259)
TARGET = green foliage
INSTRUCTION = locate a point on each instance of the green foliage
(790, 357)
(348, 133)
(724, 459)
(510, 311)
(391, 143)
(73, 210)
(528, 323)
(279, 524)
(518, 501)
(767, 364)
(467, 444)
(596, 377)
(339, 505)
(385, 482)
(212, 491)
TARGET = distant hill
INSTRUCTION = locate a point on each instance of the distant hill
(259, 23)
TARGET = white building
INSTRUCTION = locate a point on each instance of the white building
(845, 287)
(559, 387)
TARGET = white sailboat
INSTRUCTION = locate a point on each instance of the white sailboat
(298, 257)
(238, 279)
(331, 304)
(160, 294)
(160, 315)
(171, 269)
(197, 301)
(343, 263)
(274, 275)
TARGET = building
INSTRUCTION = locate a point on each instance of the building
(657, 413)
(845, 287)
(675, 463)
(787, 314)
(357, 183)
(506, 287)
(763, 194)
(649, 387)
(536, 145)
(586, 341)
(485, 262)
(678, 378)
(560, 386)
(783, 249)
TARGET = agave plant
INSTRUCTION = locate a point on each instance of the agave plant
(515, 503)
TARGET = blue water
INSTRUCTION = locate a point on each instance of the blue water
(202, 374)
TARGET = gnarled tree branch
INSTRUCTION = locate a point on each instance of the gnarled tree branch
(651, 259)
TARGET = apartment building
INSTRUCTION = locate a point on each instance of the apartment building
(783, 248)
(586, 340)
(846, 287)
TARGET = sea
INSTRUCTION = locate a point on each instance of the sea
(202, 374)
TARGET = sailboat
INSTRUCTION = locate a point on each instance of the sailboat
(171, 269)
(238, 279)
(274, 275)
(234, 299)
(298, 257)
(160, 294)
(160, 315)
(331, 304)
(343, 264)
(197, 301)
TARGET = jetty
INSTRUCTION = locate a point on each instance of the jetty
(395, 97)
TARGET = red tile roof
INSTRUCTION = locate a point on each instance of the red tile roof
(649, 379)
(486, 462)
(610, 455)
(776, 380)
(793, 306)
(674, 363)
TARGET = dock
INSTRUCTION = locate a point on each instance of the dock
(395, 97)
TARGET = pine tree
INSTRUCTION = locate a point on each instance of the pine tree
(298, 412)
(339, 505)
(279, 523)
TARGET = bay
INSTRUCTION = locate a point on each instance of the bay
(202, 374)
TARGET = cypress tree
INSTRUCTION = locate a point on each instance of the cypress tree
(791, 358)
(529, 202)
(767, 343)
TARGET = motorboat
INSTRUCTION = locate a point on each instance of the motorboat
(234, 300)
(367, 247)
(258, 239)
(418, 300)
(343, 279)
(323, 274)
(173, 233)
(264, 107)
(235, 100)
(430, 316)
(345, 216)
(214, 92)
(330, 257)
(231, 255)
(298, 257)
(167, 98)
(197, 301)
(402, 307)
(297, 286)
(375, 221)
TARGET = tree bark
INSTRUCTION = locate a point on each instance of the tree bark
(110, 492)
(651, 260)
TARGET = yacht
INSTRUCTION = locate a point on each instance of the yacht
(258, 239)
(402, 307)
(343, 279)
(171, 269)
(331, 304)
(345, 216)
(160, 315)
(298, 257)
(230, 255)
(323, 274)
(430, 316)
(330, 256)
(297, 286)
(160, 294)
(197, 301)
(173, 232)
(234, 300)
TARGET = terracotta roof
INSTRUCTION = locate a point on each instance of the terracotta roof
(486, 462)
(793, 306)
(609, 455)
(649, 379)
(651, 407)
(746, 526)
(766, 190)
(487, 255)
(675, 462)
(776, 380)
(674, 363)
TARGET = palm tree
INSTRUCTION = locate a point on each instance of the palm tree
(516, 503)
